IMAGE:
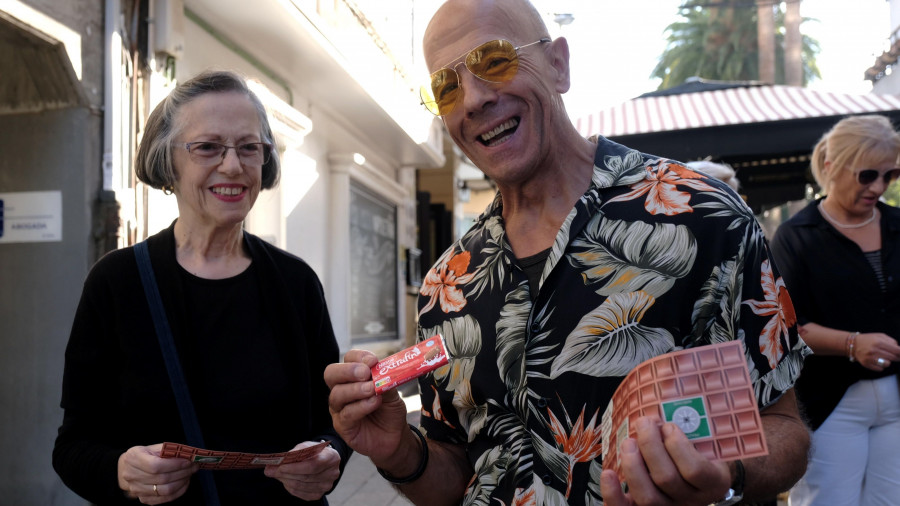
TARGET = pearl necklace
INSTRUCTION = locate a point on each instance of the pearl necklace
(844, 225)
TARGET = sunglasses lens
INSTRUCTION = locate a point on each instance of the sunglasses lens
(441, 97)
(495, 61)
(867, 176)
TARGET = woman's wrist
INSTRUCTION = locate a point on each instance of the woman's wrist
(850, 346)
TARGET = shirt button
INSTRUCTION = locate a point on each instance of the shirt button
(547, 479)
(535, 328)
(542, 403)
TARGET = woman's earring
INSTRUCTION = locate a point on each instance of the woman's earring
(168, 189)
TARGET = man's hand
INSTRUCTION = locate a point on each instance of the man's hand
(309, 479)
(662, 467)
(373, 425)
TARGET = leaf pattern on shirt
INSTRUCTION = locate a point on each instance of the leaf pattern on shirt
(716, 312)
(626, 256)
(610, 341)
(495, 269)
(462, 337)
(472, 416)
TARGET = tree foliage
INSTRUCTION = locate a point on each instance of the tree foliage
(721, 43)
(892, 195)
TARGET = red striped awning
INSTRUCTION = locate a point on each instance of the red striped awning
(732, 106)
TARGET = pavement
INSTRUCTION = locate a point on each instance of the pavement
(361, 485)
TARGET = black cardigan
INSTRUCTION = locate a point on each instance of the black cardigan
(116, 393)
(831, 283)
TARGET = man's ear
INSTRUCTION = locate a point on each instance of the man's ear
(559, 60)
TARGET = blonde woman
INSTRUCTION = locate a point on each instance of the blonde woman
(840, 258)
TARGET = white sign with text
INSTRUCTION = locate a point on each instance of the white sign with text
(30, 217)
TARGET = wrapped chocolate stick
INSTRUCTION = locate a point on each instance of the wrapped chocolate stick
(409, 364)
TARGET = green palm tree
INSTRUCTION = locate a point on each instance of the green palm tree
(720, 43)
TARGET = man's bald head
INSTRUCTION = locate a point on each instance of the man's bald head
(515, 20)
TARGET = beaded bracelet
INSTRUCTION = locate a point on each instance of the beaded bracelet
(851, 343)
(418, 472)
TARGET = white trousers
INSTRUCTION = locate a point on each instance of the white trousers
(855, 457)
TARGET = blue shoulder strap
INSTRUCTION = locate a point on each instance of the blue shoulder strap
(173, 366)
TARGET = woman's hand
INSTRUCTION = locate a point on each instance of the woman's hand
(309, 479)
(144, 475)
(876, 351)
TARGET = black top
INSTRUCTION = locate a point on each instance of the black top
(833, 284)
(253, 347)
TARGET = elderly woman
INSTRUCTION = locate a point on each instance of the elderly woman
(840, 259)
(248, 321)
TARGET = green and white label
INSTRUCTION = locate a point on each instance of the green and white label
(688, 414)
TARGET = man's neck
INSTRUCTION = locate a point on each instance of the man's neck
(533, 212)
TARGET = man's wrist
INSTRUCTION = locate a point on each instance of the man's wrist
(736, 492)
(420, 468)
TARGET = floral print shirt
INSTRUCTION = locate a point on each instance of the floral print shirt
(653, 258)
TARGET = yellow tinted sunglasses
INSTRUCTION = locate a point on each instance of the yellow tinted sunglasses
(496, 61)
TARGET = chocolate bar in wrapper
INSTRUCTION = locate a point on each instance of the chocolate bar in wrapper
(409, 364)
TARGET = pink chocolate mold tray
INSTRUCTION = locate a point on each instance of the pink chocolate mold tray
(706, 391)
(212, 459)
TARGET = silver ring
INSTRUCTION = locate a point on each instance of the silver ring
(882, 362)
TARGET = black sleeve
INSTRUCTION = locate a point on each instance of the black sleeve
(85, 454)
(792, 264)
(323, 350)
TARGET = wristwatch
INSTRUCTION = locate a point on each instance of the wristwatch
(736, 492)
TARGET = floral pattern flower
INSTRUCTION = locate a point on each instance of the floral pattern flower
(582, 444)
(661, 188)
(440, 283)
(778, 305)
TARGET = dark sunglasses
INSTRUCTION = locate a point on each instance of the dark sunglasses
(869, 176)
(496, 61)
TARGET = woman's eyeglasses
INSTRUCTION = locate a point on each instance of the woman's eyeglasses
(496, 61)
(868, 176)
(207, 153)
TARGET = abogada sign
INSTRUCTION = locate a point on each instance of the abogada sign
(30, 217)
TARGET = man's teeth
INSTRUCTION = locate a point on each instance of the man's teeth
(227, 191)
(495, 132)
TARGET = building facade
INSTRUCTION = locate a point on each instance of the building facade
(78, 79)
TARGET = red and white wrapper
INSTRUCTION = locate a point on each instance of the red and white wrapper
(409, 364)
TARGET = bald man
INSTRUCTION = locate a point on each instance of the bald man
(592, 259)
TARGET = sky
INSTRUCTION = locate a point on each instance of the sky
(615, 45)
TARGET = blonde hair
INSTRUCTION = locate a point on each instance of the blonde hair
(854, 143)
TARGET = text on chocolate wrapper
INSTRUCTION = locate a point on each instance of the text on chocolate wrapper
(393, 364)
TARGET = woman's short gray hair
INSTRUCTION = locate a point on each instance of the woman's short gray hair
(154, 163)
